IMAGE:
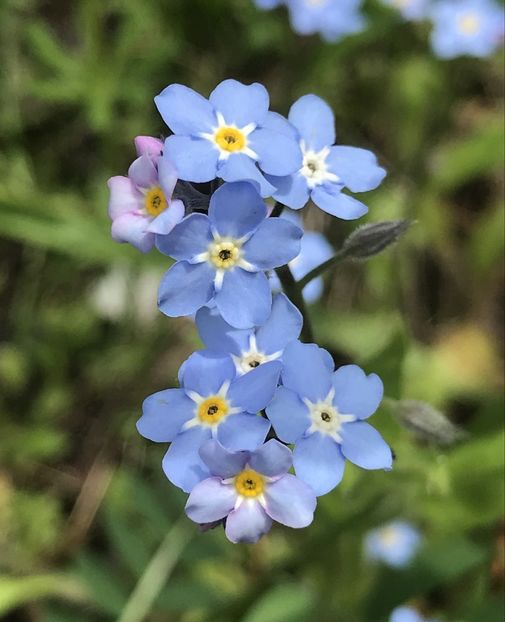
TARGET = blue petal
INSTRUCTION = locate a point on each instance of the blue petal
(305, 371)
(365, 447)
(278, 123)
(254, 391)
(210, 500)
(166, 221)
(218, 335)
(190, 237)
(356, 168)
(221, 461)
(337, 203)
(205, 372)
(290, 501)
(185, 288)
(242, 432)
(283, 325)
(292, 191)
(271, 459)
(406, 614)
(240, 104)
(319, 462)
(185, 111)
(276, 242)
(355, 392)
(314, 120)
(182, 463)
(245, 299)
(240, 167)
(328, 359)
(143, 172)
(247, 523)
(289, 415)
(236, 209)
(195, 158)
(278, 153)
(164, 413)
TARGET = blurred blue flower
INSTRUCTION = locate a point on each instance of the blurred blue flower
(411, 9)
(229, 135)
(332, 19)
(327, 169)
(395, 544)
(250, 489)
(140, 205)
(221, 258)
(322, 413)
(315, 249)
(467, 27)
(252, 347)
(408, 614)
(211, 403)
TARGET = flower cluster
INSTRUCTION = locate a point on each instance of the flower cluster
(256, 401)
(460, 27)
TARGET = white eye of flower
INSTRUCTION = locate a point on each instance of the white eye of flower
(252, 358)
(326, 418)
(314, 167)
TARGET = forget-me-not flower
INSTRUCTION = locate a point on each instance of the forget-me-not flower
(140, 205)
(250, 489)
(315, 250)
(322, 412)
(467, 27)
(231, 135)
(252, 347)
(221, 257)
(332, 19)
(413, 10)
(327, 169)
(395, 544)
(408, 614)
(211, 403)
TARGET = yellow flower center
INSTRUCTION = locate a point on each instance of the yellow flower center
(249, 483)
(388, 536)
(224, 255)
(468, 24)
(230, 139)
(213, 409)
(155, 201)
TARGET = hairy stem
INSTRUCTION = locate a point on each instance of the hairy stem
(339, 256)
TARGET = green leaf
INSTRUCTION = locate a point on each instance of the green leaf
(284, 603)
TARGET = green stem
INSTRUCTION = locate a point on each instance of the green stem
(157, 573)
(329, 263)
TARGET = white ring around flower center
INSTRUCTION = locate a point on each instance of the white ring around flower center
(252, 358)
(326, 418)
(314, 167)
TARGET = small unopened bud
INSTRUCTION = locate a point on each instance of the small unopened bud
(426, 423)
(372, 239)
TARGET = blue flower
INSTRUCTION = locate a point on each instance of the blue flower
(408, 614)
(221, 258)
(411, 9)
(395, 544)
(472, 27)
(211, 403)
(322, 412)
(250, 489)
(315, 249)
(326, 169)
(252, 347)
(332, 19)
(141, 204)
(229, 135)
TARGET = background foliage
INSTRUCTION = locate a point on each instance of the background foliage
(83, 503)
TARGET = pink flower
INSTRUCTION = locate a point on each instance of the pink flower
(141, 204)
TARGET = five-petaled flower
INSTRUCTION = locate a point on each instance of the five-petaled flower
(394, 544)
(327, 169)
(229, 135)
(251, 347)
(332, 19)
(211, 403)
(250, 489)
(472, 27)
(322, 413)
(221, 257)
(140, 205)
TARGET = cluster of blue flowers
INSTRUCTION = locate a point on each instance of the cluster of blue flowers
(460, 27)
(256, 401)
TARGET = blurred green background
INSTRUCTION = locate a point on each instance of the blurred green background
(84, 505)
